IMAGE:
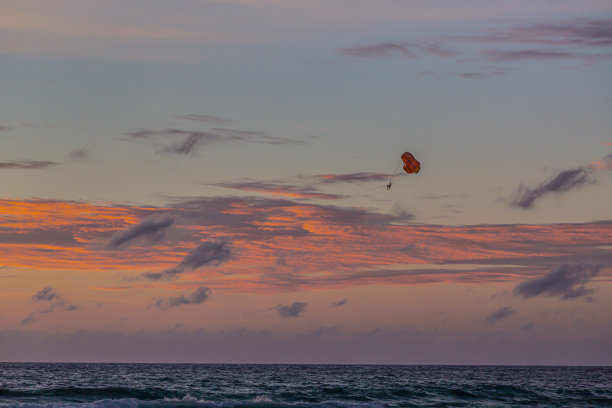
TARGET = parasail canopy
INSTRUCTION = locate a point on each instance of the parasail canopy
(411, 165)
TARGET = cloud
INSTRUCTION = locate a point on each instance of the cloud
(81, 153)
(152, 229)
(28, 319)
(193, 140)
(46, 294)
(565, 181)
(567, 282)
(473, 75)
(578, 32)
(319, 245)
(197, 297)
(583, 40)
(338, 303)
(528, 326)
(327, 331)
(397, 49)
(214, 253)
(189, 144)
(500, 314)
(603, 164)
(292, 310)
(539, 55)
(27, 164)
(212, 120)
(268, 187)
(304, 186)
(5, 128)
(387, 49)
(351, 177)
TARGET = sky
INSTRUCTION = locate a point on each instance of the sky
(205, 181)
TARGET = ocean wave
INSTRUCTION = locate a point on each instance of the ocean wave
(97, 393)
(190, 402)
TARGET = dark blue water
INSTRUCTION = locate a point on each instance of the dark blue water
(200, 385)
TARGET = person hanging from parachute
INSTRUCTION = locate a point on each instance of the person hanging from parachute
(411, 166)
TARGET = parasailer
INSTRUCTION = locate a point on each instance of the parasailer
(411, 166)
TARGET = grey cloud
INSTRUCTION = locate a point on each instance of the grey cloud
(5, 128)
(591, 33)
(564, 181)
(188, 145)
(215, 253)
(146, 134)
(27, 164)
(566, 281)
(59, 304)
(528, 326)
(292, 310)
(280, 189)
(387, 49)
(81, 153)
(473, 75)
(195, 139)
(46, 294)
(351, 177)
(594, 33)
(500, 314)
(212, 120)
(560, 40)
(304, 186)
(198, 296)
(338, 303)
(326, 331)
(538, 54)
(255, 136)
(28, 319)
(401, 49)
(153, 229)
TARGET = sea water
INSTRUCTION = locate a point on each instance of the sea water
(233, 385)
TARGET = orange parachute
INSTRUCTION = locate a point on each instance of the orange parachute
(411, 165)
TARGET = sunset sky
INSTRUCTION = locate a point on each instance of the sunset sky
(204, 181)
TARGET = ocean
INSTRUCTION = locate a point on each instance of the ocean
(300, 386)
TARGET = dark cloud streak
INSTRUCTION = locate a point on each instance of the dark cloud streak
(293, 310)
(351, 177)
(564, 181)
(397, 49)
(46, 294)
(338, 303)
(193, 140)
(211, 120)
(280, 189)
(27, 164)
(500, 314)
(198, 296)
(214, 253)
(149, 228)
(566, 281)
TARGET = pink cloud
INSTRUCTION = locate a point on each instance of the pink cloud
(286, 245)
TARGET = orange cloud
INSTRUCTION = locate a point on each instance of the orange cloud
(280, 244)
(602, 164)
